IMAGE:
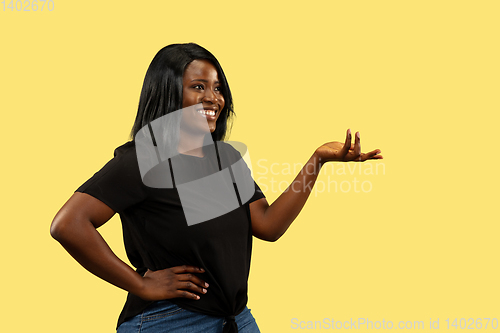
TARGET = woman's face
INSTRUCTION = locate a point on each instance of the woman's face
(201, 85)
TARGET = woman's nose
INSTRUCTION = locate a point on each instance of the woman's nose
(209, 96)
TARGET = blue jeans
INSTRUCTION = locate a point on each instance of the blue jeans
(165, 316)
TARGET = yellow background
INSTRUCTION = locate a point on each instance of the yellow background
(418, 79)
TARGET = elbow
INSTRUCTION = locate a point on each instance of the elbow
(266, 232)
(60, 229)
(269, 237)
(57, 229)
(62, 225)
(274, 238)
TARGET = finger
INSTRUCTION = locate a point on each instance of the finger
(357, 146)
(345, 149)
(190, 286)
(371, 155)
(192, 278)
(187, 269)
(186, 294)
(377, 155)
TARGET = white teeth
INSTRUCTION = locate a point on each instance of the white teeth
(207, 112)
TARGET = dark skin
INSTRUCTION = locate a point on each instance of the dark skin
(269, 222)
(75, 225)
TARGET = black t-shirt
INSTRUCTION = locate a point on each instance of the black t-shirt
(157, 235)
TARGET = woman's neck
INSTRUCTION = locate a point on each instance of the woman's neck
(190, 144)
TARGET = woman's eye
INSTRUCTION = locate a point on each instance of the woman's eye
(218, 89)
(198, 86)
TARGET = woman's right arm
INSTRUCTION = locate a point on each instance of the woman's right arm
(74, 226)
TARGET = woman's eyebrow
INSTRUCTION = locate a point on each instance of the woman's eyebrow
(202, 80)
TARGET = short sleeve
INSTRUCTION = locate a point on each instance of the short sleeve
(257, 195)
(118, 184)
(231, 157)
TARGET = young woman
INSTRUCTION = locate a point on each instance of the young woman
(187, 278)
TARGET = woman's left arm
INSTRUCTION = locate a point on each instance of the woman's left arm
(269, 222)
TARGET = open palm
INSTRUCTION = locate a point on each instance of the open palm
(345, 152)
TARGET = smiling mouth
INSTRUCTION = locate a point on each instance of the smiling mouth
(205, 112)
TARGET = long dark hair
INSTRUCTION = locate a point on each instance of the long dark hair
(162, 88)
